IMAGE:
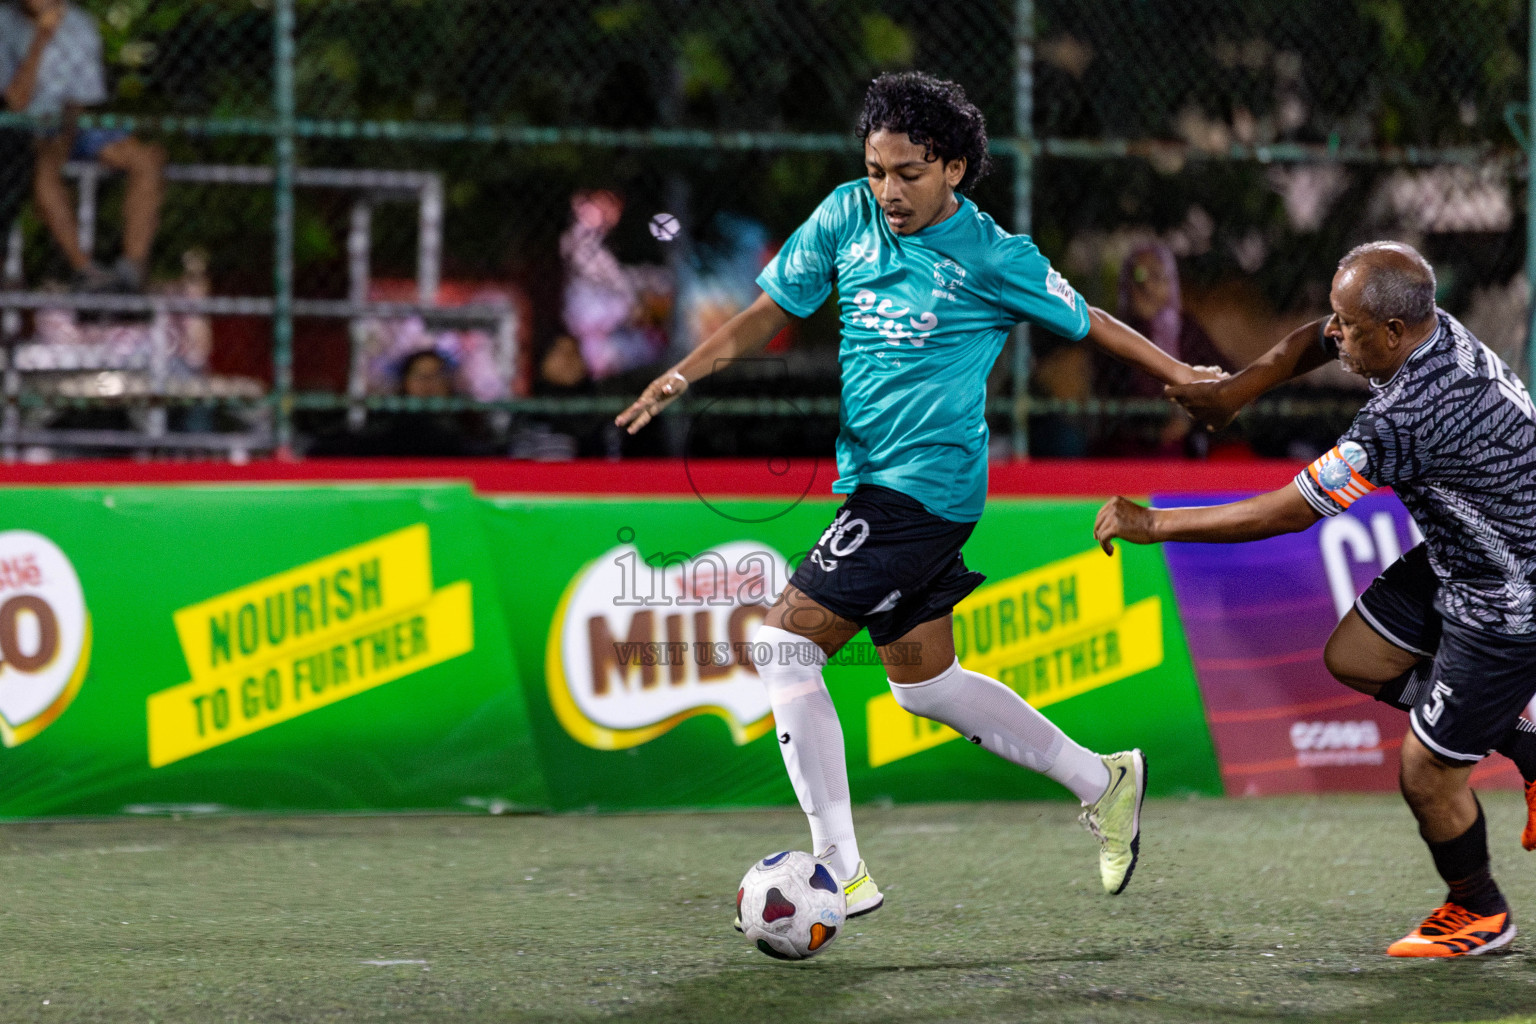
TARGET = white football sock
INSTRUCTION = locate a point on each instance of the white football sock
(811, 740)
(985, 711)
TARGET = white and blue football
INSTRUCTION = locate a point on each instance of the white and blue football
(791, 906)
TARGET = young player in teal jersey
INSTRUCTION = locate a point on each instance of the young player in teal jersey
(928, 288)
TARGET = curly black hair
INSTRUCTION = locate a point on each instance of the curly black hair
(934, 114)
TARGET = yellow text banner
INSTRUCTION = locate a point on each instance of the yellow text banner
(298, 608)
(206, 712)
(1036, 607)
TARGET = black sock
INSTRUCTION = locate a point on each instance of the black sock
(1463, 863)
(1520, 747)
(1407, 689)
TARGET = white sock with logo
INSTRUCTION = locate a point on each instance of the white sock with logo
(811, 740)
(985, 711)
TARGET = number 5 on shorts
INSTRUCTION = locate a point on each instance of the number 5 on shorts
(1435, 707)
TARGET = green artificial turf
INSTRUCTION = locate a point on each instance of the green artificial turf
(1259, 910)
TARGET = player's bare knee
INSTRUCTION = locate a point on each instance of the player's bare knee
(1431, 785)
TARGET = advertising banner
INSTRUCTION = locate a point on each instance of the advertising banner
(1257, 616)
(417, 647)
(631, 624)
(255, 648)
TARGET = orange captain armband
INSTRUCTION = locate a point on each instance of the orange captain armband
(1337, 474)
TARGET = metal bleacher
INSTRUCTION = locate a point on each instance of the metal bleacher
(42, 379)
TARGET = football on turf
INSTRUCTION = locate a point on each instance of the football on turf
(790, 905)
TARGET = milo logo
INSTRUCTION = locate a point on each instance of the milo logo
(45, 634)
(638, 646)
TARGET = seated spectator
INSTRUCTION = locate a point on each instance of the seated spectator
(415, 433)
(562, 371)
(426, 374)
(51, 66)
(1149, 302)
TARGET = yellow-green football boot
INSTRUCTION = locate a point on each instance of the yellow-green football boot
(864, 896)
(1115, 818)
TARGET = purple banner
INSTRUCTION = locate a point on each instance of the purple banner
(1257, 616)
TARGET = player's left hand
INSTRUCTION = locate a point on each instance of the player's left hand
(1123, 518)
(1211, 403)
(658, 394)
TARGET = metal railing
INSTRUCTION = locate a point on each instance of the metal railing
(534, 125)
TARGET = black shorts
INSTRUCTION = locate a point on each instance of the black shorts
(1400, 604)
(1480, 681)
(888, 564)
(1480, 684)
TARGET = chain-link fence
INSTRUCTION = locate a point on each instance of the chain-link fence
(351, 182)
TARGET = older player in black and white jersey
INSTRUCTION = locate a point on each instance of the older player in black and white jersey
(1448, 633)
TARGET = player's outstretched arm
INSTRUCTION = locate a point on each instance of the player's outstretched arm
(1267, 515)
(1213, 404)
(1129, 346)
(741, 335)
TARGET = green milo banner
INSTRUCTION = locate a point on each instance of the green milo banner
(419, 647)
(631, 622)
(255, 648)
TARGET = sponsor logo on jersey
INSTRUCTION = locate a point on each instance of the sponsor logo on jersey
(638, 646)
(1058, 286)
(896, 325)
(947, 278)
(45, 634)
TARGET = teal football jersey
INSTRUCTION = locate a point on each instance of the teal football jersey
(924, 317)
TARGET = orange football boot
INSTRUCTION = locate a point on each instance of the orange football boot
(1528, 837)
(1453, 930)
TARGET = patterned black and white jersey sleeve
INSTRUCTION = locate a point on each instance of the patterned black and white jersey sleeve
(1453, 433)
(1376, 451)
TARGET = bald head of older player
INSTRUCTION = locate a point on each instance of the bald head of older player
(1383, 300)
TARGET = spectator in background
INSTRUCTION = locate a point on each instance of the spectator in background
(562, 373)
(51, 66)
(414, 433)
(426, 375)
(1149, 302)
(614, 312)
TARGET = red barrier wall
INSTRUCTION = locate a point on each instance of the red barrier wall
(714, 477)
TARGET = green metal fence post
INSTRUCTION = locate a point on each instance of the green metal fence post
(282, 223)
(1023, 198)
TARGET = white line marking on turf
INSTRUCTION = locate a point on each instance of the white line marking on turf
(102, 851)
(919, 830)
(391, 963)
